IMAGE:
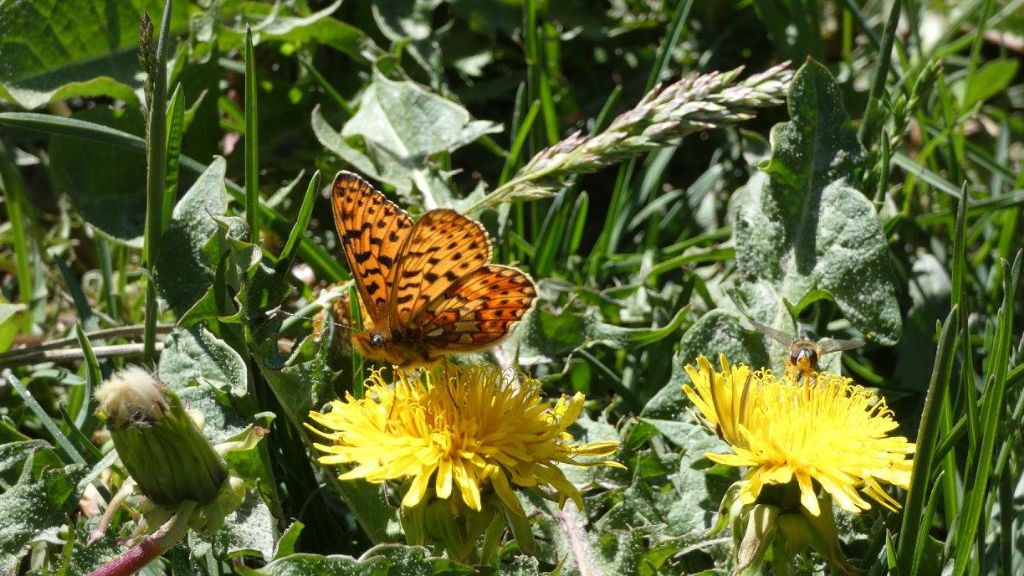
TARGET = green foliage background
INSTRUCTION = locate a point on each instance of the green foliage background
(883, 202)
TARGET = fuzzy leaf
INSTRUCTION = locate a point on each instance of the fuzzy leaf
(205, 372)
(35, 508)
(398, 128)
(275, 23)
(188, 257)
(800, 226)
(248, 531)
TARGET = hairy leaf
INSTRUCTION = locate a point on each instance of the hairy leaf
(34, 507)
(189, 255)
(800, 226)
(397, 130)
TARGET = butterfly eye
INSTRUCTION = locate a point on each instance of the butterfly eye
(377, 340)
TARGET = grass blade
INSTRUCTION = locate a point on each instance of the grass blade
(872, 115)
(301, 222)
(927, 439)
(13, 189)
(252, 145)
(93, 378)
(61, 440)
(992, 410)
(175, 134)
(156, 167)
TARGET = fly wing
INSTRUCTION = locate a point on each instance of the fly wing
(777, 335)
(829, 345)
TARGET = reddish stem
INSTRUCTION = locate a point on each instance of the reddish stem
(136, 557)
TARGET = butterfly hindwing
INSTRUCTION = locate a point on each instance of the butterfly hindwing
(373, 231)
(479, 310)
(444, 246)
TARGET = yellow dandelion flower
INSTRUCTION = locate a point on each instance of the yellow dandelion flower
(826, 431)
(457, 429)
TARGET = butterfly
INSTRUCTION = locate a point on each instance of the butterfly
(426, 289)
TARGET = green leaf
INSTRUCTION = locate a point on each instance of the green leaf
(189, 255)
(800, 226)
(194, 354)
(992, 79)
(114, 201)
(289, 538)
(398, 128)
(207, 374)
(13, 317)
(34, 506)
(57, 49)
(248, 531)
(273, 22)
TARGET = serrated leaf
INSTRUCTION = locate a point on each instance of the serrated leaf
(188, 258)
(520, 565)
(56, 49)
(398, 128)
(114, 201)
(800, 226)
(289, 538)
(548, 334)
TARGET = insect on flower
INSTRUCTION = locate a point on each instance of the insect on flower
(804, 354)
(426, 289)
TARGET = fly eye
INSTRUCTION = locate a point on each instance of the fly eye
(812, 356)
(376, 340)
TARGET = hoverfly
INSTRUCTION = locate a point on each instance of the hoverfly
(804, 354)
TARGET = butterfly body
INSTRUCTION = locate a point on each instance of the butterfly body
(426, 289)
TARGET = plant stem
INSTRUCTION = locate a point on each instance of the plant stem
(156, 165)
(152, 546)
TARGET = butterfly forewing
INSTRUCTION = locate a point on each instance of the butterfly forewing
(444, 246)
(372, 230)
(478, 310)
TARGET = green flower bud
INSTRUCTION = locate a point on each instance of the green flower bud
(159, 444)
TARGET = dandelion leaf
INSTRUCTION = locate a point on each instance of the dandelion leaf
(247, 531)
(801, 226)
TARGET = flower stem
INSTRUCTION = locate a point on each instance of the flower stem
(152, 546)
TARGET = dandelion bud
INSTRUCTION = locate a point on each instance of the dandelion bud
(159, 444)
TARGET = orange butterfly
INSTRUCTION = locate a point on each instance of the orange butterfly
(425, 289)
